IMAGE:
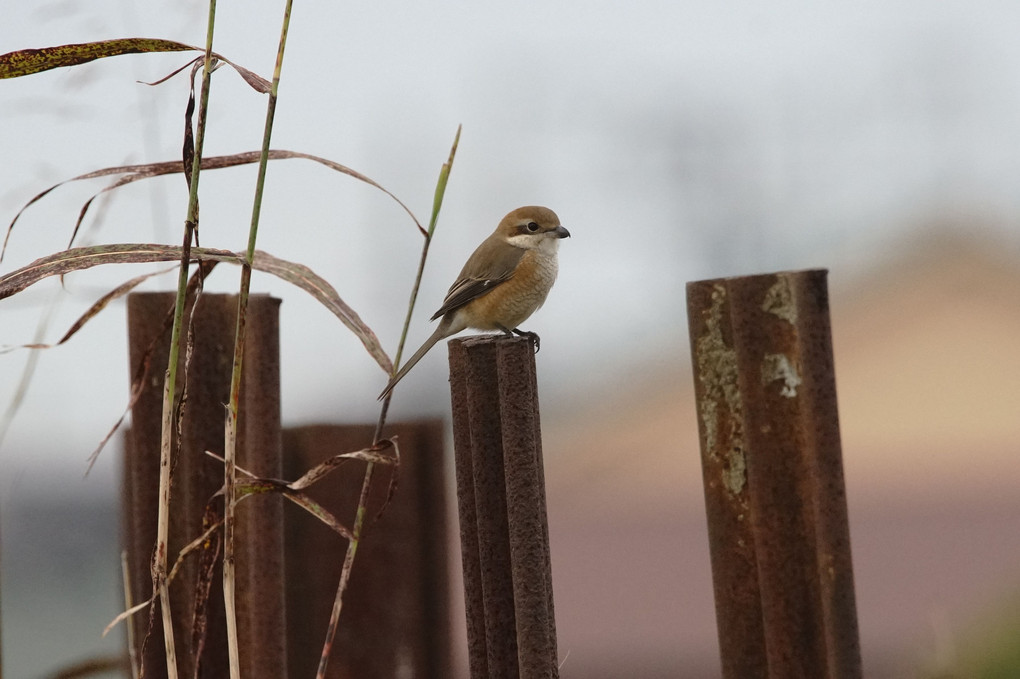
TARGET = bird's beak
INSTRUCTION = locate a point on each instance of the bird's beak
(560, 232)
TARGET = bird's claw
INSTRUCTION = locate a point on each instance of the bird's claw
(533, 336)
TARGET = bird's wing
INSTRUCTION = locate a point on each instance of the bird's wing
(494, 262)
(467, 289)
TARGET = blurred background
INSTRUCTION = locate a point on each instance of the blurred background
(677, 141)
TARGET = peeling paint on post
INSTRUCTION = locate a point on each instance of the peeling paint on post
(720, 409)
(724, 472)
(782, 572)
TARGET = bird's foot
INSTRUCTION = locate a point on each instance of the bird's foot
(523, 333)
(533, 336)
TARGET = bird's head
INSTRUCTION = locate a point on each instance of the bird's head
(532, 228)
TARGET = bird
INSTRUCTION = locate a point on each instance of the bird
(505, 280)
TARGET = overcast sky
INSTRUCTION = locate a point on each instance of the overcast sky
(676, 140)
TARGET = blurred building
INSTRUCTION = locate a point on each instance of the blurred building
(929, 389)
(928, 378)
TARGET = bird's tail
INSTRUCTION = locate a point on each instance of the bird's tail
(442, 331)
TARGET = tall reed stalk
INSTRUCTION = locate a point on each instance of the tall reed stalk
(230, 438)
(169, 385)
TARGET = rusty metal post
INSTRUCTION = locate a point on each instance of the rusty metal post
(773, 476)
(501, 499)
(396, 616)
(196, 477)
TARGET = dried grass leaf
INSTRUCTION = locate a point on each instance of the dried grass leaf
(124, 615)
(197, 543)
(373, 454)
(142, 369)
(100, 304)
(171, 74)
(133, 173)
(28, 61)
(204, 579)
(318, 511)
(257, 486)
(188, 158)
(306, 279)
(76, 259)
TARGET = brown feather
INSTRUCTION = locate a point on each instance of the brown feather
(502, 261)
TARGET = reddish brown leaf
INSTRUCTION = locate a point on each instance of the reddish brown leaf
(133, 173)
(28, 61)
(76, 259)
(142, 369)
(373, 454)
(306, 279)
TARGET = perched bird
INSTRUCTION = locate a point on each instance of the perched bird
(504, 281)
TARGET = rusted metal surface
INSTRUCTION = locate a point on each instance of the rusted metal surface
(530, 560)
(197, 477)
(258, 531)
(501, 500)
(475, 378)
(471, 560)
(772, 466)
(396, 618)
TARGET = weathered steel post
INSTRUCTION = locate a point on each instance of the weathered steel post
(197, 477)
(501, 499)
(396, 617)
(773, 475)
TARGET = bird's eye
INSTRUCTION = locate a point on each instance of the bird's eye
(532, 227)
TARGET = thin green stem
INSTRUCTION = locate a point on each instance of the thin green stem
(437, 203)
(170, 379)
(230, 426)
(366, 483)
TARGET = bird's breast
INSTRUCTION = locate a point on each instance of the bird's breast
(511, 303)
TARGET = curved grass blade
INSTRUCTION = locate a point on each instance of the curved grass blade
(372, 454)
(77, 259)
(243, 489)
(318, 511)
(133, 173)
(28, 61)
(359, 517)
(142, 369)
(255, 485)
(171, 74)
(197, 543)
(306, 279)
(27, 373)
(93, 311)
